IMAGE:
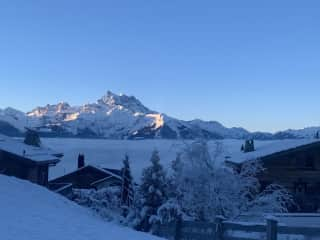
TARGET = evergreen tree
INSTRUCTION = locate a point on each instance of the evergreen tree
(242, 148)
(249, 146)
(176, 167)
(252, 145)
(176, 164)
(127, 188)
(32, 138)
(153, 191)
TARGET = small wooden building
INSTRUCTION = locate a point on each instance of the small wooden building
(297, 168)
(91, 177)
(26, 161)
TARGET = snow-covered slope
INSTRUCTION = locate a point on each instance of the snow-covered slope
(122, 117)
(32, 212)
(303, 133)
(12, 122)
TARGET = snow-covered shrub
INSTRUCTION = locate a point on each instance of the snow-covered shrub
(105, 202)
(134, 218)
(169, 212)
(274, 198)
(249, 185)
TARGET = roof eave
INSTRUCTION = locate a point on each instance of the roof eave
(47, 162)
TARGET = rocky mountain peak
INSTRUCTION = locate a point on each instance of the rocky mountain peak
(128, 102)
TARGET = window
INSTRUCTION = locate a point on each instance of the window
(309, 163)
(300, 187)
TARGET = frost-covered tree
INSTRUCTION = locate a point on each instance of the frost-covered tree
(200, 183)
(153, 191)
(126, 188)
(205, 188)
(176, 168)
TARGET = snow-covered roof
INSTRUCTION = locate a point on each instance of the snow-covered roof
(18, 147)
(262, 148)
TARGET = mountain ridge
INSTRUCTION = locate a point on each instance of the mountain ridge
(124, 117)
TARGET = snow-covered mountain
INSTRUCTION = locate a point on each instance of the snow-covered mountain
(121, 117)
(12, 122)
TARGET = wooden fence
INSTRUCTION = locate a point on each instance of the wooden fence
(64, 189)
(223, 230)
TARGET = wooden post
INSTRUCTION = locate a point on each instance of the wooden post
(155, 229)
(219, 228)
(272, 229)
(178, 224)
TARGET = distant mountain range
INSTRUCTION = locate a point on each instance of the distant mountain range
(124, 117)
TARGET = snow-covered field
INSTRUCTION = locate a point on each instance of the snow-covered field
(109, 153)
(31, 212)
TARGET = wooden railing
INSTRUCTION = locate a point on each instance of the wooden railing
(224, 230)
(64, 189)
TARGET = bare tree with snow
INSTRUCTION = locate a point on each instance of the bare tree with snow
(204, 189)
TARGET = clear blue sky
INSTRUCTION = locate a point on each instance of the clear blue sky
(254, 64)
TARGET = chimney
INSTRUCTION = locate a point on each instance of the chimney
(81, 161)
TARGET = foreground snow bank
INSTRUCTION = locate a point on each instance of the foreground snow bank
(32, 212)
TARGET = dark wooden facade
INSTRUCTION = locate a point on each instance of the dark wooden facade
(298, 170)
(24, 168)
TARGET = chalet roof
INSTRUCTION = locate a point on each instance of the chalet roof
(114, 171)
(40, 155)
(105, 171)
(97, 175)
(264, 149)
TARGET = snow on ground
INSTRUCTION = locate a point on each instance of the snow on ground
(29, 211)
(109, 153)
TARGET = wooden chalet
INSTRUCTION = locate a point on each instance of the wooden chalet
(91, 177)
(296, 167)
(25, 161)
